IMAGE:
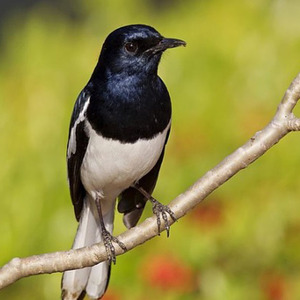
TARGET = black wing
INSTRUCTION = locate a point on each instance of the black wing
(77, 145)
(131, 201)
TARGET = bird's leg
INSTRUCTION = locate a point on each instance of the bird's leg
(158, 209)
(108, 239)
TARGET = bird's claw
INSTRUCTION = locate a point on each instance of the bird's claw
(163, 210)
(108, 240)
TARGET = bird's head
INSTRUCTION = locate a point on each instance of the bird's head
(134, 49)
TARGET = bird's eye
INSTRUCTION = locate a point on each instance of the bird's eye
(131, 47)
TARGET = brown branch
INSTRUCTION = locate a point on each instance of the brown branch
(283, 122)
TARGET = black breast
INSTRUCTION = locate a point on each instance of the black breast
(129, 110)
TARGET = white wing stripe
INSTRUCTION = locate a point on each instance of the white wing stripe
(72, 140)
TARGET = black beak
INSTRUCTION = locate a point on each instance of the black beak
(165, 44)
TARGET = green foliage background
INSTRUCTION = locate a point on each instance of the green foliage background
(243, 242)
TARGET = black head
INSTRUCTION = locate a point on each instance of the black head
(134, 49)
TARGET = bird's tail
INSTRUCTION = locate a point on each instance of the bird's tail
(92, 280)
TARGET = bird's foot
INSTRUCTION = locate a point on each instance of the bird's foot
(162, 210)
(108, 241)
(158, 209)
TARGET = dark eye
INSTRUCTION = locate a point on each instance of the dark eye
(131, 47)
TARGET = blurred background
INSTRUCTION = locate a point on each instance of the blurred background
(242, 242)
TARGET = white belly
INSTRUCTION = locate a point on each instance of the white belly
(109, 166)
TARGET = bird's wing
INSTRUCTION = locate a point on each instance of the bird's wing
(131, 201)
(77, 145)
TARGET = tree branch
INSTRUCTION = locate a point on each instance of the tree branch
(283, 122)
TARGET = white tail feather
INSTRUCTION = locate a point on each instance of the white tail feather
(99, 275)
(93, 279)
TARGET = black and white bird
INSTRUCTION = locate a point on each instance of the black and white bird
(118, 132)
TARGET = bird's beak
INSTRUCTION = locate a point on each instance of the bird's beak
(165, 44)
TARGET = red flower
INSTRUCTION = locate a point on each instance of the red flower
(110, 295)
(208, 215)
(168, 273)
(274, 286)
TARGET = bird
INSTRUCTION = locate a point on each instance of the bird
(117, 136)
